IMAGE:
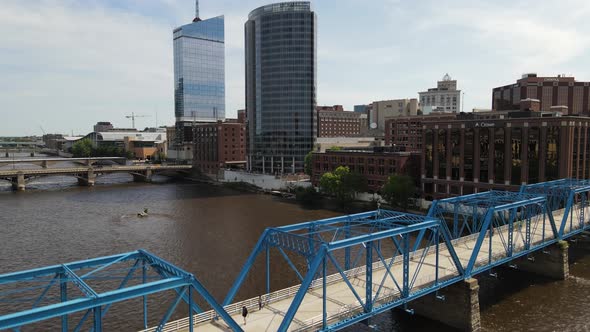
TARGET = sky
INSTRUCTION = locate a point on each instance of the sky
(67, 64)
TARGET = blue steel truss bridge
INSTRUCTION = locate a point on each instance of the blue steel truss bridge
(350, 268)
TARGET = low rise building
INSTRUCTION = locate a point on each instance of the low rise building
(333, 121)
(375, 164)
(502, 150)
(407, 131)
(53, 141)
(141, 144)
(242, 116)
(381, 110)
(361, 108)
(219, 145)
(556, 91)
(325, 143)
(103, 126)
(444, 98)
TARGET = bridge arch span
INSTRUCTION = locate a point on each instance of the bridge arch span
(38, 179)
(4, 181)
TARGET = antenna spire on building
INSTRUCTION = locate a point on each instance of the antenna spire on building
(197, 18)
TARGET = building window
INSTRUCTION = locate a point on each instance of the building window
(484, 146)
(442, 153)
(499, 155)
(552, 160)
(516, 146)
(455, 153)
(429, 139)
(468, 155)
(533, 154)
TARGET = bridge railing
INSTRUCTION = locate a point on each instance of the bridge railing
(252, 303)
(350, 310)
(286, 293)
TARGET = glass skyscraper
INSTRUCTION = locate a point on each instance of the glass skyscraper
(280, 44)
(199, 74)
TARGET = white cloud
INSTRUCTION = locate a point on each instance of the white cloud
(65, 66)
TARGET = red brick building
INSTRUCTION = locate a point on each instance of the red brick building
(407, 131)
(375, 164)
(219, 145)
(333, 121)
(550, 91)
(473, 154)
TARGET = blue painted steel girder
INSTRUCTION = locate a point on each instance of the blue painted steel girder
(174, 279)
(52, 270)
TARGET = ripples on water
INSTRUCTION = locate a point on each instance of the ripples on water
(210, 231)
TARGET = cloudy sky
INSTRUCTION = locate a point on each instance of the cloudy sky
(65, 65)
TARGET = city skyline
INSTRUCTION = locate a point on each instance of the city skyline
(99, 70)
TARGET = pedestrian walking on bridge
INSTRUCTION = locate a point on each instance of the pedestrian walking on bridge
(244, 313)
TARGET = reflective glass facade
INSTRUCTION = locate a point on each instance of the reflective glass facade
(280, 86)
(199, 71)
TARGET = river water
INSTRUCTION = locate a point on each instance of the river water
(209, 231)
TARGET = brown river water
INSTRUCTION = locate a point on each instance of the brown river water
(209, 231)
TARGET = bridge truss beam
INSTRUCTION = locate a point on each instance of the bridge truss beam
(87, 286)
(364, 241)
(569, 196)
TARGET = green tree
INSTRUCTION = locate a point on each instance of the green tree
(82, 148)
(308, 163)
(342, 184)
(398, 190)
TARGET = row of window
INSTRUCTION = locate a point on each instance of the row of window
(359, 160)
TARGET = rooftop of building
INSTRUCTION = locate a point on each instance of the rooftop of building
(334, 108)
(533, 78)
(391, 150)
(395, 100)
(291, 6)
(433, 115)
(112, 136)
(209, 29)
(230, 122)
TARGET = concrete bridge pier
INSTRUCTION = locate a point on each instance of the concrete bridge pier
(87, 179)
(458, 309)
(145, 176)
(552, 261)
(18, 183)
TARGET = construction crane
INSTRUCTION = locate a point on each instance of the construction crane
(133, 116)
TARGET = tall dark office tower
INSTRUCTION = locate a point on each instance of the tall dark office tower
(199, 77)
(280, 86)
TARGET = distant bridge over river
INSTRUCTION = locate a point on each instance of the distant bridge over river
(47, 162)
(87, 175)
